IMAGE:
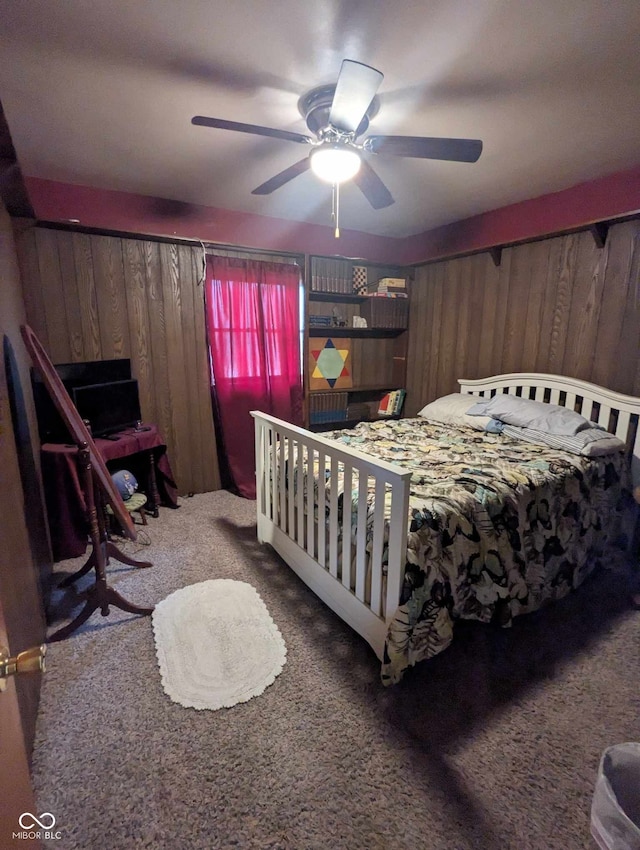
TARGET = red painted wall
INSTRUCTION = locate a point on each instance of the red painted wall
(605, 199)
(130, 213)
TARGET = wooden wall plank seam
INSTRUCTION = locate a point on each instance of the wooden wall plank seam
(83, 260)
(551, 273)
(585, 307)
(497, 328)
(53, 295)
(72, 304)
(159, 353)
(187, 314)
(27, 252)
(108, 267)
(209, 459)
(535, 302)
(139, 332)
(175, 360)
(562, 303)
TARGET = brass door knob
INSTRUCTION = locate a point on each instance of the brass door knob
(29, 661)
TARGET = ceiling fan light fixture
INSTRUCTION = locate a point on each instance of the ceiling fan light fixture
(335, 163)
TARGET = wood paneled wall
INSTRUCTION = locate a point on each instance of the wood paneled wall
(559, 305)
(93, 297)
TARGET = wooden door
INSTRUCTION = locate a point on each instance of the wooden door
(17, 794)
(21, 626)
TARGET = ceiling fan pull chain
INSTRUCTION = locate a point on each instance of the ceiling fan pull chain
(336, 189)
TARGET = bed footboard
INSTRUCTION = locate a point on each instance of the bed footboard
(347, 542)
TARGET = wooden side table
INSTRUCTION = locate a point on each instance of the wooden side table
(143, 449)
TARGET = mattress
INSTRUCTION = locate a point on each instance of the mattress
(497, 527)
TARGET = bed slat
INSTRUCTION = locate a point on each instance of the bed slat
(361, 536)
(282, 459)
(333, 520)
(274, 474)
(300, 494)
(291, 473)
(398, 527)
(622, 425)
(376, 552)
(635, 459)
(259, 447)
(311, 503)
(604, 416)
(346, 525)
(267, 465)
(322, 500)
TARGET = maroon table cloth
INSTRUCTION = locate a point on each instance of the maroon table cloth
(66, 509)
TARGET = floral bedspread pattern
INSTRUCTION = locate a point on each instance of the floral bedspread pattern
(497, 527)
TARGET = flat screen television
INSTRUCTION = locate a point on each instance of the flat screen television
(108, 407)
(51, 428)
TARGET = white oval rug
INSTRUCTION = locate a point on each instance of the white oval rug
(216, 644)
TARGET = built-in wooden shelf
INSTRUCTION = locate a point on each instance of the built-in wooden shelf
(364, 333)
(378, 352)
(377, 388)
(342, 297)
(338, 424)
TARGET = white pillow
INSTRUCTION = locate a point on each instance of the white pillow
(604, 445)
(452, 410)
(526, 413)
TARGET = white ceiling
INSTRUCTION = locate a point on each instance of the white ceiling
(102, 94)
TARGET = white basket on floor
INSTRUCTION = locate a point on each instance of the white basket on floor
(615, 810)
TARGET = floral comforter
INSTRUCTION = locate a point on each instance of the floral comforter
(497, 527)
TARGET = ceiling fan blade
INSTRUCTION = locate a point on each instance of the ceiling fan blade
(280, 179)
(356, 87)
(372, 187)
(457, 150)
(255, 129)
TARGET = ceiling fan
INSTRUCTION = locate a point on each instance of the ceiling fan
(338, 115)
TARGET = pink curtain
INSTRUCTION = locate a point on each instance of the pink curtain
(253, 323)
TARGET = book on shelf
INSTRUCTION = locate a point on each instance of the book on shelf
(387, 285)
(320, 321)
(361, 410)
(387, 295)
(385, 313)
(327, 407)
(331, 275)
(391, 403)
(396, 282)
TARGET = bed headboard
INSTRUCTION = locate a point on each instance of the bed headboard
(616, 412)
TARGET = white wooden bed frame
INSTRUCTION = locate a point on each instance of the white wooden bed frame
(317, 551)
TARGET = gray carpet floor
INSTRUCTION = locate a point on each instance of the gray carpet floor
(494, 744)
